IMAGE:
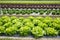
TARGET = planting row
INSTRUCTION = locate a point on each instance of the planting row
(31, 11)
(35, 26)
(30, 2)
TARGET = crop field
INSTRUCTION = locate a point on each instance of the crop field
(35, 26)
(30, 19)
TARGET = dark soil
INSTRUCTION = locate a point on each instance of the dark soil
(30, 6)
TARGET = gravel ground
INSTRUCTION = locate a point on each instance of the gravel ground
(29, 38)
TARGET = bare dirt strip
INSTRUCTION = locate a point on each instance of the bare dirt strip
(30, 5)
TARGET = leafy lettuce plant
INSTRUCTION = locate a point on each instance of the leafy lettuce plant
(36, 22)
(42, 25)
(29, 24)
(40, 18)
(9, 24)
(24, 31)
(37, 32)
(56, 26)
(10, 11)
(57, 20)
(13, 18)
(4, 11)
(48, 21)
(15, 21)
(1, 23)
(51, 32)
(31, 18)
(21, 19)
(5, 19)
(18, 25)
(11, 31)
(2, 29)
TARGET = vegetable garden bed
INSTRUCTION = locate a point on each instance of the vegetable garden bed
(29, 38)
(29, 20)
(35, 26)
(17, 11)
